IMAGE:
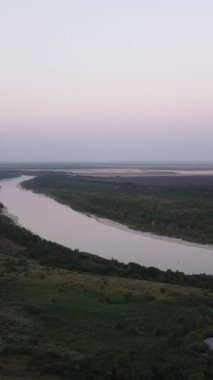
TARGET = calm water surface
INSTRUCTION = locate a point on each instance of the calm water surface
(56, 222)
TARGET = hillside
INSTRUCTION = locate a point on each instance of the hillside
(61, 323)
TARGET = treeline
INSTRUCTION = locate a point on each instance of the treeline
(56, 256)
(185, 212)
(4, 174)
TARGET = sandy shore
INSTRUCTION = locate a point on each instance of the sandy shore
(132, 172)
(125, 228)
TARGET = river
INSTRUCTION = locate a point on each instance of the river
(59, 223)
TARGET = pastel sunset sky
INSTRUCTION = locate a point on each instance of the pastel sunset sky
(106, 80)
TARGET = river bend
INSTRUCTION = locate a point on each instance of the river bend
(59, 223)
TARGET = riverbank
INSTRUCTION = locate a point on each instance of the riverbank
(123, 227)
(184, 213)
(49, 253)
(117, 225)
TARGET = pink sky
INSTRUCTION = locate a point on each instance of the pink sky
(106, 80)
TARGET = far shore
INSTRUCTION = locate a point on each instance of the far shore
(108, 222)
(124, 227)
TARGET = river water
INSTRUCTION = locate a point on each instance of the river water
(59, 223)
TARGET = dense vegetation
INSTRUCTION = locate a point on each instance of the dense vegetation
(4, 174)
(185, 212)
(60, 322)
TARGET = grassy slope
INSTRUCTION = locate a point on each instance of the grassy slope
(56, 323)
(178, 212)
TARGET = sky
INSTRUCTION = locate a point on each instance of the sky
(106, 80)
